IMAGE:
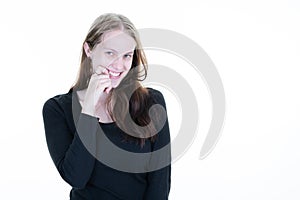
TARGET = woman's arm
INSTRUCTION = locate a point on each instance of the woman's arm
(159, 181)
(71, 158)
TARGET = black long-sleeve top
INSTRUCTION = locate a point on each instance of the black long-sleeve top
(91, 179)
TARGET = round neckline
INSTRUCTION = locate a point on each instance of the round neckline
(106, 123)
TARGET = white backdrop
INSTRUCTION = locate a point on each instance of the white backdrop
(255, 46)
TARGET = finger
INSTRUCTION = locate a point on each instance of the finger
(108, 89)
(105, 71)
(103, 84)
(102, 76)
(99, 77)
(100, 70)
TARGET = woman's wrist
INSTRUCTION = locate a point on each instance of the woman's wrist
(88, 109)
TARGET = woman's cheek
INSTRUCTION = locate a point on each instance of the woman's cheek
(100, 61)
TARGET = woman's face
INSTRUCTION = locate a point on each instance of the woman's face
(114, 54)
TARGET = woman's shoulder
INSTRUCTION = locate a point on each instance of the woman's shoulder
(60, 101)
(156, 96)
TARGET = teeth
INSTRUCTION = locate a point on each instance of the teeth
(114, 73)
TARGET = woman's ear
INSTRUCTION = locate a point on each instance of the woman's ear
(87, 50)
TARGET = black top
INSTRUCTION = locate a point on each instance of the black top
(90, 178)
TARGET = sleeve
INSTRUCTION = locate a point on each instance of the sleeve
(159, 181)
(71, 158)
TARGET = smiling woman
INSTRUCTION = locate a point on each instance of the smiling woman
(113, 56)
(107, 89)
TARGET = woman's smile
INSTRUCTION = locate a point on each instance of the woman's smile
(114, 74)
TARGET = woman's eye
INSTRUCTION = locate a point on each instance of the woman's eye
(109, 53)
(127, 56)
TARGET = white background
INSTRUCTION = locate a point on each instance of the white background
(255, 46)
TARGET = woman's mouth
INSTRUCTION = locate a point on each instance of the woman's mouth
(114, 74)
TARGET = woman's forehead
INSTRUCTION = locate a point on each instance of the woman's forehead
(118, 40)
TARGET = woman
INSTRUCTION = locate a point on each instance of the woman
(108, 98)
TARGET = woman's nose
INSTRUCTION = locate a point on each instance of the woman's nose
(118, 63)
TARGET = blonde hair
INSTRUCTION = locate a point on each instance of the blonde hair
(139, 102)
(104, 23)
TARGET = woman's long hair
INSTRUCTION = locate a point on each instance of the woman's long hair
(129, 95)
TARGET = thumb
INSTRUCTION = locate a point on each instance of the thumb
(108, 89)
(105, 71)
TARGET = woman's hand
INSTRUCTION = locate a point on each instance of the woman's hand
(97, 91)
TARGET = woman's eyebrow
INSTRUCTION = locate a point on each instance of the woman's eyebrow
(106, 48)
(129, 52)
